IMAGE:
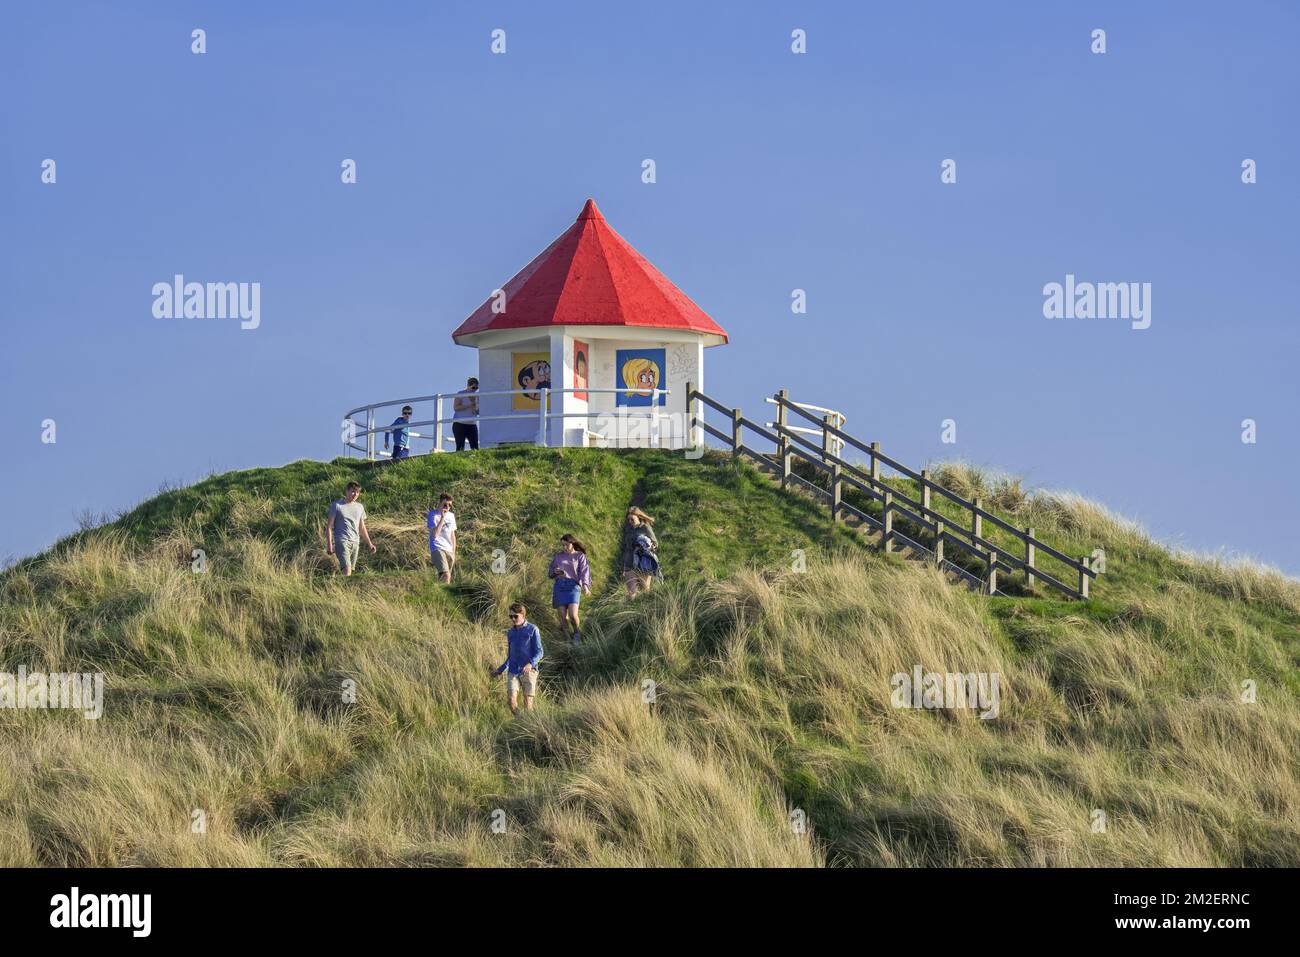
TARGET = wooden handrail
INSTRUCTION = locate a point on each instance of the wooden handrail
(973, 507)
(716, 433)
(970, 540)
(714, 403)
(754, 426)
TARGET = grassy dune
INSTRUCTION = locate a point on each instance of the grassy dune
(771, 687)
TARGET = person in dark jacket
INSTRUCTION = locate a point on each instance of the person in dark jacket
(640, 560)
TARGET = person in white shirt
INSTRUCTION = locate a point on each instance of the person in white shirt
(442, 538)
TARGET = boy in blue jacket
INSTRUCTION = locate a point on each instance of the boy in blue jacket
(523, 655)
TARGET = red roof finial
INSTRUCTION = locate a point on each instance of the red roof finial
(589, 211)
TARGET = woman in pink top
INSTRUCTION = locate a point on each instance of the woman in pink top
(572, 575)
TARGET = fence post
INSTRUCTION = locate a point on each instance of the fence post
(370, 434)
(437, 428)
(1029, 556)
(991, 578)
(875, 464)
(925, 492)
(542, 396)
(1083, 577)
(735, 433)
(783, 443)
(938, 542)
(827, 445)
(887, 518)
(978, 524)
(691, 408)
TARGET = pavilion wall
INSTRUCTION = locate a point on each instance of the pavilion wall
(684, 362)
(598, 420)
(495, 372)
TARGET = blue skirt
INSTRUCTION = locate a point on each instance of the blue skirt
(565, 591)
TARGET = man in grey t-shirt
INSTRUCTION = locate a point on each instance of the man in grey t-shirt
(345, 529)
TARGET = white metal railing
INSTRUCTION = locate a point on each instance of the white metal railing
(836, 444)
(361, 438)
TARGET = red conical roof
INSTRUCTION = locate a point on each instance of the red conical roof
(591, 276)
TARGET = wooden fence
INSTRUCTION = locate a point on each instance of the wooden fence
(939, 529)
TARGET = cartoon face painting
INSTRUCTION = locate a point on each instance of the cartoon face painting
(535, 375)
(580, 350)
(641, 375)
(639, 372)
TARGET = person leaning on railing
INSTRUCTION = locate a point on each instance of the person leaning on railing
(466, 407)
(401, 437)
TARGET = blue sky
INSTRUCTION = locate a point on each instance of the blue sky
(775, 171)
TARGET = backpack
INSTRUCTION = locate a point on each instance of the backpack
(644, 557)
